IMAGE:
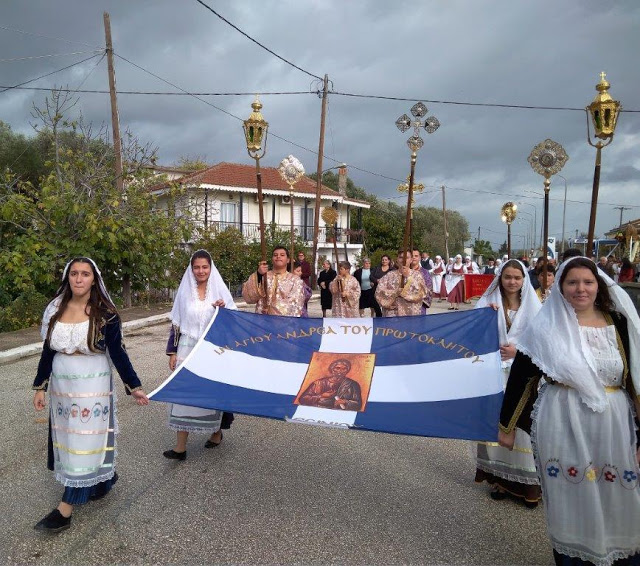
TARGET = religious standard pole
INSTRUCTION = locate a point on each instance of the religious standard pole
(547, 158)
(291, 171)
(446, 232)
(415, 142)
(316, 210)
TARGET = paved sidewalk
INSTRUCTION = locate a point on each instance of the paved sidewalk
(27, 342)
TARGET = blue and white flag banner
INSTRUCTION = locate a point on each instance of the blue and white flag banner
(436, 375)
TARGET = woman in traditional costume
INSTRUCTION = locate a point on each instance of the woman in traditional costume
(454, 283)
(82, 333)
(325, 277)
(437, 274)
(346, 293)
(585, 344)
(201, 290)
(510, 472)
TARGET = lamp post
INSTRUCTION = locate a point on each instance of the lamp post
(604, 116)
(535, 221)
(417, 188)
(415, 142)
(291, 171)
(547, 158)
(508, 215)
(255, 134)
(564, 212)
(529, 229)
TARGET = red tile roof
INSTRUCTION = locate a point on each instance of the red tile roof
(240, 175)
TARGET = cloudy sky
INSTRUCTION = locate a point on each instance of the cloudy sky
(543, 53)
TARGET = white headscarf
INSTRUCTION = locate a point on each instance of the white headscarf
(529, 306)
(555, 344)
(54, 305)
(193, 322)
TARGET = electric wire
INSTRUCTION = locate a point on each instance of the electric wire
(5, 89)
(256, 41)
(15, 59)
(46, 36)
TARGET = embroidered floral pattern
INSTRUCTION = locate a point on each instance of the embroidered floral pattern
(609, 476)
(98, 411)
(553, 471)
(591, 474)
(629, 475)
(572, 471)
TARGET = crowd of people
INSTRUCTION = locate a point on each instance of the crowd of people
(569, 345)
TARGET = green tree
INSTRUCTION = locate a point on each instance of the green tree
(483, 248)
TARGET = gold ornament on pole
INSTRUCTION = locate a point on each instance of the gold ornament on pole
(508, 215)
(255, 134)
(330, 217)
(547, 159)
(291, 171)
(604, 113)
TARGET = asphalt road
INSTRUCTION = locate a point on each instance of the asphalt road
(272, 493)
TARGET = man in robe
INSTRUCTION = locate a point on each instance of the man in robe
(416, 265)
(402, 291)
(285, 291)
(306, 268)
(336, 391)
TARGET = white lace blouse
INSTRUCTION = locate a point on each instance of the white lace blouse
(70, 338)
(604, 347)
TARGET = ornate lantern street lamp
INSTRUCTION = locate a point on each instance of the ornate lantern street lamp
(330, 217)
(415, 142)
(604, 116)
(508, 214)
(547, 158)
(291, 171)
(417, 188)
(255, 133)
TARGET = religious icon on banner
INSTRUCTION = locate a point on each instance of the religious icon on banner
(337, 381)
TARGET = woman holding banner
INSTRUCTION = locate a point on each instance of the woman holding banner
(585, 346)
(510, 472)
(201, 290)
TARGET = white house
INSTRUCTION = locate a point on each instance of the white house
(226, 195)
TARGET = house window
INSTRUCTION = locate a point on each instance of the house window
(306, 223)
(228, 214)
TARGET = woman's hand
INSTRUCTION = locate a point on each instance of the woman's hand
(38, 400)
(263, 268)
(493, 306)
(173, 358)
(218, 303)
(507, 440)
(508, 352)
(141, 397)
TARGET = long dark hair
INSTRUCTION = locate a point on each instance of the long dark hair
(98, 306)
(603, 300)
(201, 254)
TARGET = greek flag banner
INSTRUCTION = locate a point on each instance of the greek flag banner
(435, 375)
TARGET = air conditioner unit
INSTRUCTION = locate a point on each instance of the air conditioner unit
(285, 199)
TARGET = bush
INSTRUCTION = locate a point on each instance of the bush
(24, 311)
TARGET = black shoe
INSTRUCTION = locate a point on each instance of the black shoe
(497, 494)
(530, 504)
(211, 444)
(54, 522)
(173, 455)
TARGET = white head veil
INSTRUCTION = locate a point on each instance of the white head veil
(54, 305)
(191, 321)
(529, 306)
(554, 342)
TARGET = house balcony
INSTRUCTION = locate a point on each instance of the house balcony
(251, 231)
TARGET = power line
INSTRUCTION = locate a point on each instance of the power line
(49, 55)
(165, 93)
(256, 41)
(5, 89)
(46, 36)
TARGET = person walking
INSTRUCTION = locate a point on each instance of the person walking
(82, 332)
(200, 292)
(325, 277)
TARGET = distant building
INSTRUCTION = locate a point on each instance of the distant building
(226, 195)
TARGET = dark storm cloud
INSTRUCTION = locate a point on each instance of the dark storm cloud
(544, 54)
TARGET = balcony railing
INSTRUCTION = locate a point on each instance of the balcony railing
(251, 231)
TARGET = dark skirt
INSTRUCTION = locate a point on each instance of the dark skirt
(367, 299)
(81, 495)
(530, 493)
(325, 299)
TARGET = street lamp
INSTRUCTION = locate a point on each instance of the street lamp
(535, 221)
(508, 215)
(291, 171)
(547, 158)
(604, 115)
(255, 134)
(529, 229)
(564, 212)
(415, 142)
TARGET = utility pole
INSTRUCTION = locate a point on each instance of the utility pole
(117, 144)
(446, 232)
(621, 209)
(478, 238)
(316, 211)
